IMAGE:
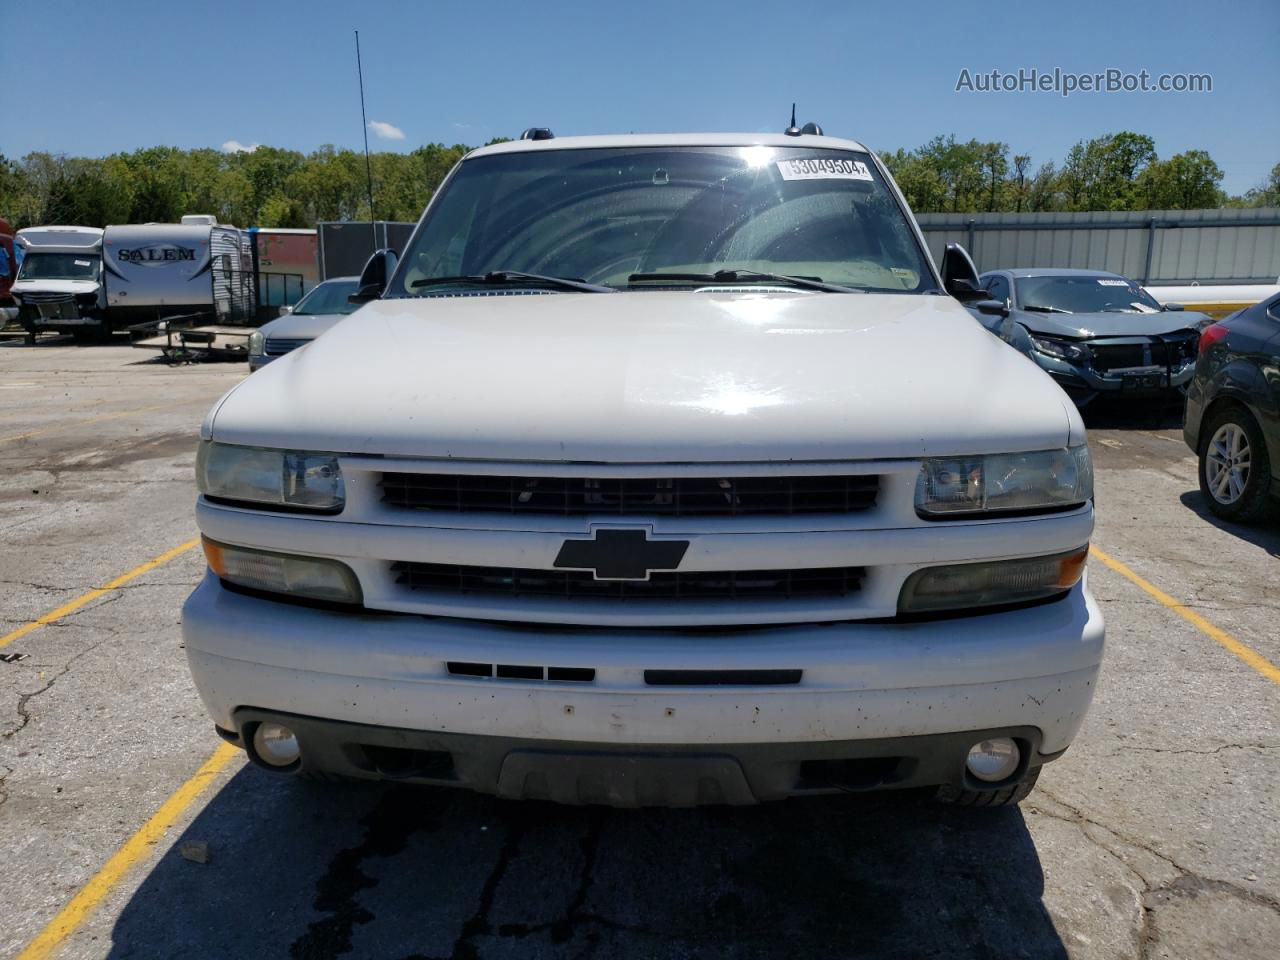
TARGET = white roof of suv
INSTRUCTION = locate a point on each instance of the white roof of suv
(672, 140)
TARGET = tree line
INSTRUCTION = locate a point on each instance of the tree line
(1117, 171)
(271, 187)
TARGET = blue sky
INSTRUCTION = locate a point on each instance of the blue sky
(96, 77)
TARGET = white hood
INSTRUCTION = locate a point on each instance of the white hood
(55, 286)
(653, 377)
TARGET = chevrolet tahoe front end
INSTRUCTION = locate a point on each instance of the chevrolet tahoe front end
(704, 537)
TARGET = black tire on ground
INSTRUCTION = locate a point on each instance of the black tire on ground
(1007, 797)
(1254, 502)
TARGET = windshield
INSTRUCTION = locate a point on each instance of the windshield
(59, 266)
(1084, 295)
(604, 216)
(328, 297)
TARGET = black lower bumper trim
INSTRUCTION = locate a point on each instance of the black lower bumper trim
(637, 775)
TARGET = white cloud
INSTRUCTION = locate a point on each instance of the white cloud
(387, 131)
(235, 146)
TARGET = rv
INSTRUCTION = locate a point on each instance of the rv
(198, 268)
(58, 286)
(89, 282)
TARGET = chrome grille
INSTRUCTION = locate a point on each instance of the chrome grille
(581, 584)
(646, 496)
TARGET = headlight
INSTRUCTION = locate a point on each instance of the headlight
(257, 344)
(1044, 480)
(1059, 349)
(989, 584)
(309, 577)
(286, 478)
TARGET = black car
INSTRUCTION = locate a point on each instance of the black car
(1233, 412)
(1095, 333)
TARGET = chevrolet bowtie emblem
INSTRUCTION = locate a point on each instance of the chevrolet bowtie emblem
(621, 554)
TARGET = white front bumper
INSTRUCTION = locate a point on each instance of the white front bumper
(1031, 667)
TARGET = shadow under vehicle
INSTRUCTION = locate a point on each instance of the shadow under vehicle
(398, 871)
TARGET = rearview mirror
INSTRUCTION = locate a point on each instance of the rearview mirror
(960, 276)
(1174, 306)
(373, 278)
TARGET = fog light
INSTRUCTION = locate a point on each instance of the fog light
(276, 745)
(993, 760)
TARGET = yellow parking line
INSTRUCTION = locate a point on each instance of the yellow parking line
(82, 423)
(73, 915)
(69, 608)
(1230, 643)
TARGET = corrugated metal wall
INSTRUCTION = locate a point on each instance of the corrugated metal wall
(1151, 246)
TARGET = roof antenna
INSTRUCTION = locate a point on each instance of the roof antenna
(368, 170)
(793, 130)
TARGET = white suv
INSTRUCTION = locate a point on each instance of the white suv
(659, 470)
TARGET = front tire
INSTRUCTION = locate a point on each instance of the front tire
(1008, 796)
(1235, 466)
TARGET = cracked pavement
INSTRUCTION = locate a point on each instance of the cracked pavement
(1154, 837)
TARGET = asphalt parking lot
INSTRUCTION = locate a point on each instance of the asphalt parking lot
(1155, 836)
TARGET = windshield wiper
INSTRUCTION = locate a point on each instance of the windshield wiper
(1042, 309)
(498, 277)
(744, 276)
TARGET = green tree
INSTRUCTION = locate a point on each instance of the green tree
(1102, 173)
(1186, 181)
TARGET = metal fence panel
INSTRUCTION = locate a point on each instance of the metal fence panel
(1153, 246)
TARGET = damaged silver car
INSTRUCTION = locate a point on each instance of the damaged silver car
(1094, 332)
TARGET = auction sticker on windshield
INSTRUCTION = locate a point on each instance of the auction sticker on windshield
(823, 168)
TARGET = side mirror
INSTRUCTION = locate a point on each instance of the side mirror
(1174, 306)
(960, 276)
(285, 311)
(373, 278)
(992, 308)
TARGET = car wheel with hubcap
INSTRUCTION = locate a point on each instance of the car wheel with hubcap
(1235, 470)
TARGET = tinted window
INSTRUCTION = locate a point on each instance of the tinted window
(1084, 294)
(60, 266)
(329, 297)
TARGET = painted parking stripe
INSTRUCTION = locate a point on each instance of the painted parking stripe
(69, 608)
(1240, 650)
(71, 917)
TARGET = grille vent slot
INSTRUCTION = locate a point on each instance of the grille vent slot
(515, 671)
(639, 496)
(581, 584)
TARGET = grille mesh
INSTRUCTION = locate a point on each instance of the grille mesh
(1171, 351)
(42, 297)
(279, 346)
(575, 584)
(666, 496)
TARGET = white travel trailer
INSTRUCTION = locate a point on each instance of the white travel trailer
(89, 281)
(59, 285)
(197, 268)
